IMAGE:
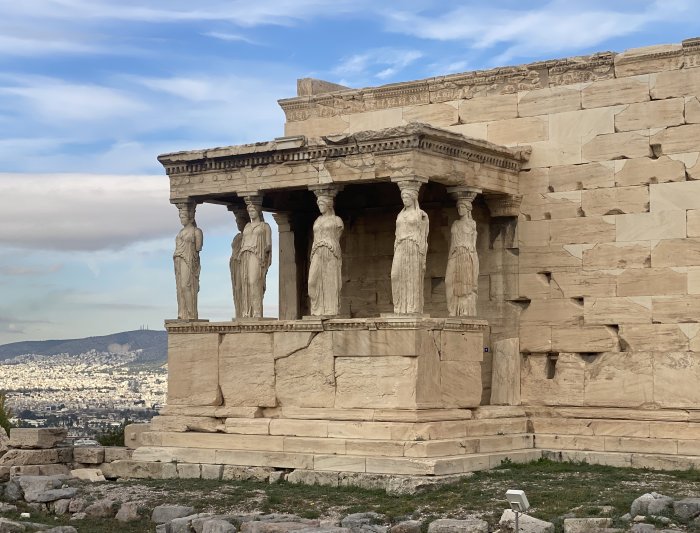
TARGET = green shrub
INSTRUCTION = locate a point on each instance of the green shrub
(5, 413)
(114, 437)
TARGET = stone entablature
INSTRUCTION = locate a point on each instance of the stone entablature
(497, 81)
(299, 162)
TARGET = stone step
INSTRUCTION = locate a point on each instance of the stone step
(618, 444)
(625, 459)
(341, 446)
(616, 428)
(372, 430)
(334, 463)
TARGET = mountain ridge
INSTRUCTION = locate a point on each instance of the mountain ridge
(153, 343)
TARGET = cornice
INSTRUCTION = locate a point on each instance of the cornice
(414, 136)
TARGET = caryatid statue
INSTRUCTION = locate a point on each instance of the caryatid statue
(254, 258)
(461, 278)
(325, 281)
(410, 252)
(241, 215)
(188, 244)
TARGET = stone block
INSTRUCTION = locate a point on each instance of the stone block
(299, 428)
(518, 130)
(247, 370)
(489, 108)
(167, 512)
(552, 312)
(246, 473)
(584, 176)
(374, 448)
(388, 382)
(634, 445)
(607, 256)
(616, 91)
(686, 508)
(584, 339)
(651, 226)
(534, 286)
(693, 223)
(613, 311)
(257, 458)
(551, 205)
(312, 477)
(314, 445)
(374, 120)
(548, 101)
(535, 339)
(94, 475)
(316, 126)
(18, 457)
(676, 253)
(675, 309)
(679, 139)
(306, 378)
(676, 376)
(339, 463)
(461, 346)
(133, 434)
(653, 337)
(588, 229)
(651, 281)
(533, 233)
(505, 373)
(609, 146)
(114, 453)
(527, 523)
(582, 283)
(570, 442)
(91, 455)
(552, 380)
(247, 426)
(644, 170)
(38, 470)
(675, 83)
(692, 110)
(533, 258)
(460, 383)
(674, 196)
(193, 369)
(212, 471)
(36, 438)
(189, 471)
(586, 525)
(446, 525)
(439, 115)
(615, 201)
(619, 379)
(648, 59)
(140, 470)
(285, 343)
(654, 114)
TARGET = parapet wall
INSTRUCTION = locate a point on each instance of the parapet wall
(606, 263)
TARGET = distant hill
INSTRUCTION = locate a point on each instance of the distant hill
(153, 343)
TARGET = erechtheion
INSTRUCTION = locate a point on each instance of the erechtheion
(494, 264)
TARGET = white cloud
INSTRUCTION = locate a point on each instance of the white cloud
(554, 27)
(231, 37)
(380, 63)
(89, 212)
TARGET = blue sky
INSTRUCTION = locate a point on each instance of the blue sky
(91, 91)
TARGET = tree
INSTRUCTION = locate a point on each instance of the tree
(114, 437)
(5, 413)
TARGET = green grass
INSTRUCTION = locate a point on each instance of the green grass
(554, 489)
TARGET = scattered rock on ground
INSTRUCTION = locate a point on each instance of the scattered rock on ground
(643, 528)
(473, 525)
(407, 526)
(650, 504)
(100, 509)
(686, 508)
(7, 507)
(166, 512)
(128, 512)
(585, 525)
(527, 524)
(217, 525)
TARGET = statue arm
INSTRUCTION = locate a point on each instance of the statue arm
(198, 239)
(425, 227)
(267, 248)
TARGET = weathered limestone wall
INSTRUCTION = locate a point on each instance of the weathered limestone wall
(604, 271)
(354, 364)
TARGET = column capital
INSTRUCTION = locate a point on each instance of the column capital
(464, 192)
(409, 180)
(282, 219)
(504, 205)
(326, 189)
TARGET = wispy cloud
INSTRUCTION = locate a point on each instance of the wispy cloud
(29, 271)
(553, 27)
(380, 63)
(231, 37)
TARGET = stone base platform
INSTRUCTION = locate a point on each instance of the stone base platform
(431, 442)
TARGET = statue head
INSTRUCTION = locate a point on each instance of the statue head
(409, 197)
(253, 205)
(186, 212)
(464, 208)
(325, 204)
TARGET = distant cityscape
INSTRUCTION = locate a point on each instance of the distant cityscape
(88, 393)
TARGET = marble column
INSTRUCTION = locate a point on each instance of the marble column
(188, 244)
(410, 250)
(288, 270)
(255, 258)
(462, 275)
